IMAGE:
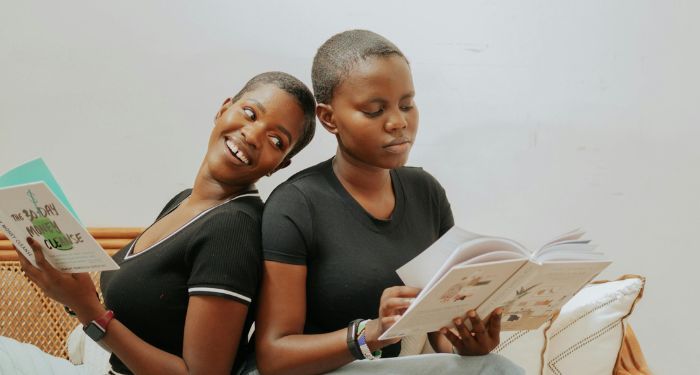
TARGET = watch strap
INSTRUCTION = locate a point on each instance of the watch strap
(97, 328)
(104, 320)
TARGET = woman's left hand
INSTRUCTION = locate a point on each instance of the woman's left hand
(75, 290)
(481, 339)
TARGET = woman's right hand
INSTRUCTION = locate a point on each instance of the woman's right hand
(393, 303)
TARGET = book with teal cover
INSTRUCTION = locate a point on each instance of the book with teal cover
(34, 171)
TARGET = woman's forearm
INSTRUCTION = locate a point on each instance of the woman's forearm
(139, 356)
(304, 354)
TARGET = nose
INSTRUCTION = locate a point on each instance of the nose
(252, 134)
(396, 121)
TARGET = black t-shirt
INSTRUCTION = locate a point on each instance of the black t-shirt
(351, 257)
(216, 253)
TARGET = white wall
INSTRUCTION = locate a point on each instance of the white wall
(536, 116)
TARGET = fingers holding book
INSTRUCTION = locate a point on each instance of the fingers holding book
(481, 339)
(75, 290)
(392, 304)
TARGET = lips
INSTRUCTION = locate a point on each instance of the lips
(398, 141)
(237, 151)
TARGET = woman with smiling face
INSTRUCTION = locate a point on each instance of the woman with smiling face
(184, 298)
(334, 234)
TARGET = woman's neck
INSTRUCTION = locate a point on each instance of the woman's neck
(207, 191)
(360, 176)
(370, 186)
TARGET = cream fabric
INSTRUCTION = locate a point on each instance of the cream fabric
(525, 348)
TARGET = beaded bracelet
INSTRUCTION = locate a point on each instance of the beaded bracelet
(362, 343)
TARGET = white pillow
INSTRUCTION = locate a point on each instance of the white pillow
(525, 348)
(587, 335)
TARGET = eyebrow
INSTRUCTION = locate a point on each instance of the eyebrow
(382, 101)
(286, 132)
(259, 105)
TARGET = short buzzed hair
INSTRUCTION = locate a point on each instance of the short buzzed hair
(339, 54)
(297, 89)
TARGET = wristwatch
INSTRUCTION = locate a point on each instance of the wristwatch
(97, 328)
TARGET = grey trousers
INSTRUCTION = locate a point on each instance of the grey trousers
(447, 364)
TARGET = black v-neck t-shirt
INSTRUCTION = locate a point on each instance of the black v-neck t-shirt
(218, 253)
(351, 257)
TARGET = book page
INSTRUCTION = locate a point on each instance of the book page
(32, 210)
(454, 247)
(536, 292)
(420, 270)
(463, 288)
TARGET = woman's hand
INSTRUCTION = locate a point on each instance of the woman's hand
(481, 339)
(393, 303)
(75, 290)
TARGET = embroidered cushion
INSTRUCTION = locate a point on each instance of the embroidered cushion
(588, 334)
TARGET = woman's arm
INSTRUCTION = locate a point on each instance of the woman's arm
(281, 345)
(213, 325)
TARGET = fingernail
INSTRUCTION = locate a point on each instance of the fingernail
(30, 240)
(499, 311)
(458, 321)
(443, 330)
(409, 300)
(471, 313)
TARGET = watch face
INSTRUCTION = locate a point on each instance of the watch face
(94, 331)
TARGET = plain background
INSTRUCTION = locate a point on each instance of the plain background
(537, 116)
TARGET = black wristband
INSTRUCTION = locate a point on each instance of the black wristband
(353, 346)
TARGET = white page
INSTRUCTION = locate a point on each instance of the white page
(540, 290)
(475, 248)
(419, 270)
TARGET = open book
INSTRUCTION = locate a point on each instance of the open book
(33, 210)
(463, 271)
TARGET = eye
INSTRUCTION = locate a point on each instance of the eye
(277, 142)
(249, 113)
(406, 108)
(376, 113)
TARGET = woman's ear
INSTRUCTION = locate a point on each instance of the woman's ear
(224, 106)
(324, 112)
(283, 164)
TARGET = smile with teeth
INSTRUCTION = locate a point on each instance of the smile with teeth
(236, 152)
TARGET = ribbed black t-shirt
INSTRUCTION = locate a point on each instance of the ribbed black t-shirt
(351, 257)
(216, 253)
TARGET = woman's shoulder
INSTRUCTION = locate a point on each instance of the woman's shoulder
(306, 182)
(417, 175)
(250, 206)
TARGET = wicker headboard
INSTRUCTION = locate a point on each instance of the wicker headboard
(26, 314)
